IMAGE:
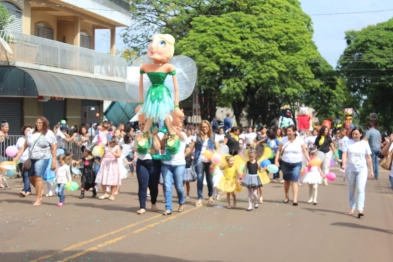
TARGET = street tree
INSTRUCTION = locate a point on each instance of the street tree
(263, 49)
(367, 67)
(5, 17)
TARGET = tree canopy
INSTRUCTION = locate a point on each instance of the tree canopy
(367, 67)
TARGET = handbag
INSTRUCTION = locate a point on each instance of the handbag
(27, 163)
(386, 162)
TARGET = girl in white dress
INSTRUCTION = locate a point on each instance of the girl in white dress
(313, 178)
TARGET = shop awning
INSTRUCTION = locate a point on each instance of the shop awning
(22, 82)
(69, 86)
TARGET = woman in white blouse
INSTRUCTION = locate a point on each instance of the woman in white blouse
(356, 157)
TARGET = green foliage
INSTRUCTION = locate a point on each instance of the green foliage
(5, 17)
(247, 54)
(367, 67)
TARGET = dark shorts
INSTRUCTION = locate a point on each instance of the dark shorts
(38, 167)
(291, 171)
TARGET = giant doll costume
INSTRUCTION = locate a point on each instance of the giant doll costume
(161, 86)
(286, 118)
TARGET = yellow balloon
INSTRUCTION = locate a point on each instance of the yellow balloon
(97, 151)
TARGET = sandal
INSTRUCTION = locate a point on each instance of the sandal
(198, 203)
(285, 201)
(111, 198)
(154, 208)
(22, 193)
(103, 197)
(167, 213)
(180, 209)
(229, 207)
(141, 211)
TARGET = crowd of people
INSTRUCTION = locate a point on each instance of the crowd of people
(356, 152)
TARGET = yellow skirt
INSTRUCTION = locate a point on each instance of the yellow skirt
(229, 185)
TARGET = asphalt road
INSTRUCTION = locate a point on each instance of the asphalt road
(103, 230)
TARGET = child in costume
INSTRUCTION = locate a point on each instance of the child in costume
(88, 173)
(230, 181)
(313, 178)
(63, 176)
(109, 174)
(251, 179)
(190, 175)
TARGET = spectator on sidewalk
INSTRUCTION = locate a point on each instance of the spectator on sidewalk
(373, 136)
(227, 122)
(214, 124)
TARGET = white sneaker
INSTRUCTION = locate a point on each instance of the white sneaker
(49, 194)
(218, 197)
(187, 197)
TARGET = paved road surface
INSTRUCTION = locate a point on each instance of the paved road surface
(102, 230)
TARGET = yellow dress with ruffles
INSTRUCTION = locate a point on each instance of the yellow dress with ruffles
(229, 182)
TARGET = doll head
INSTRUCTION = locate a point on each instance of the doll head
(161, 48)
(303, 110)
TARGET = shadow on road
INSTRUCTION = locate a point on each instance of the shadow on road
(91, 256)
(345, 224)
(317, 211)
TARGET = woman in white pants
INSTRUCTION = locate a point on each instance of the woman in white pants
(324, 144)
(356, 157)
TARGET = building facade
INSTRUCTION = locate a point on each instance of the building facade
(48, 65)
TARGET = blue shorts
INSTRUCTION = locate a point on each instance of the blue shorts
(38, 167)
(291, 171)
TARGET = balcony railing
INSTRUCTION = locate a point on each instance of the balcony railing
(40, 51)
(116, 4)
(122, 3)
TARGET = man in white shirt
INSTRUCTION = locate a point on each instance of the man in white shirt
(250, 136)
(62, 136)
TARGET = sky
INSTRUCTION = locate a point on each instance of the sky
(331, 18)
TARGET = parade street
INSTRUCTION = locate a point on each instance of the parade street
(103, 230)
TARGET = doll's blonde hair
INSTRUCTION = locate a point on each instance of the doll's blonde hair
(170, 40)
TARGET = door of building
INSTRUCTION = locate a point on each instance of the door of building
(54, 111)
(11, 110)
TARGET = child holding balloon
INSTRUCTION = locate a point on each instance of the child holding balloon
(314, 176)
(63, 176)
(251, 179)
(230, 181)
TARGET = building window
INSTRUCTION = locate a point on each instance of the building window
(85, 40)
(16, 14)
(44, 31)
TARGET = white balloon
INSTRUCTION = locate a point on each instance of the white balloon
(223, 150)
(321, 155)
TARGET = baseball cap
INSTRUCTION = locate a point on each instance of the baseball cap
(63, 127)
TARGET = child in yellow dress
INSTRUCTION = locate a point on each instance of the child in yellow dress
(230, 181)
